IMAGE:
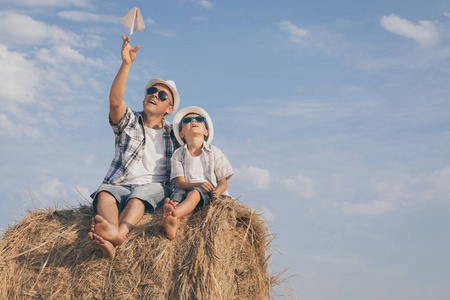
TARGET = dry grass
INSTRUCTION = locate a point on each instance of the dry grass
(220, 253)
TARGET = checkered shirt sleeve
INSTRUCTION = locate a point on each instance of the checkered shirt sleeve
(128, 139)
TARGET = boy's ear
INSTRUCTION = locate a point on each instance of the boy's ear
(181, 135)
(206, 133)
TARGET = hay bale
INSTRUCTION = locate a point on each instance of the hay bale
(219, 253)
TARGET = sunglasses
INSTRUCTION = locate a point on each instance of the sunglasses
(188, 120)
(163, 96)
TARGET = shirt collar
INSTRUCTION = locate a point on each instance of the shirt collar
(165, 124)
(206, 146)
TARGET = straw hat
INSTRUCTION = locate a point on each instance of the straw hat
(189, 110)
(171, 85)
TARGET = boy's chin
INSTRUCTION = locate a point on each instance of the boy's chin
(193, 138)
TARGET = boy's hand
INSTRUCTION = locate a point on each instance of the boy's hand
(128, 53)
(207, 187)
(214, 195)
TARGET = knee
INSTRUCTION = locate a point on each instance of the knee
(193, 193)
(105, 197)
(135, 202)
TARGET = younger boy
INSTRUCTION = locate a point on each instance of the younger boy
(200, 170)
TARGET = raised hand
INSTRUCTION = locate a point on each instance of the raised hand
(128, 53)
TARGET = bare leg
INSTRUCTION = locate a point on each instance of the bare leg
(171, 220)
(108, 228)
(130, 216)
(106, 222)
(188, 205)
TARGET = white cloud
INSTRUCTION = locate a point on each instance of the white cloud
(8, 128)
(372, 208)
(203, 3)
(260, 178)
(293, 29)
(51, 188)
(63, 55)
(82, 16)
(402, 191)
(424, 33)
(206, 4)
(18, 79)
(306, 187)
(19, 29)
(387, 196)
(297, 34)
(34, 80)
(314, 37)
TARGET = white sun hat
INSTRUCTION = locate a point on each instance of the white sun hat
(171, 85)
(195, 110)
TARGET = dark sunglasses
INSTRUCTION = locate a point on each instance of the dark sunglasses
(188, 120)
(163, 96)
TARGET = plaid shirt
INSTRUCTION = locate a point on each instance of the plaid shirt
(214, 162)
(130, 144)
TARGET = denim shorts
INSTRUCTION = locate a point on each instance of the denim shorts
(152, 194)
(179, 195)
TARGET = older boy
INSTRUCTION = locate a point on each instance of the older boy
(199, 169)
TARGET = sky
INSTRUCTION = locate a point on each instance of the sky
(335, 116)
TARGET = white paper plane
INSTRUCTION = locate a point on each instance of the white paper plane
(133, 20)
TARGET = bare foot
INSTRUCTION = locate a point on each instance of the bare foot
(108, 249)
(174, 204)
(168, 206)
(170, 224)
(93, 225)
(107, 231)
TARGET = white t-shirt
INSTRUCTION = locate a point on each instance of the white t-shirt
(194, 168)
(152, 167)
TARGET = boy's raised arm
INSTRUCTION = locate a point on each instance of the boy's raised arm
(117, 106)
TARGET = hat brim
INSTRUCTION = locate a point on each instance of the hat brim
(192, 110)
(176, 97)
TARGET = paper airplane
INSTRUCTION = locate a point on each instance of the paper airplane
(133, 20)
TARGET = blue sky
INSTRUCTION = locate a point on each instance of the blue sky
(334, 115)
